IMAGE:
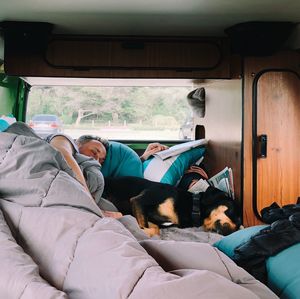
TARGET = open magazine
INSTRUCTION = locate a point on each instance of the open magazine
(180, 148)
(222, 180)
(200, 186)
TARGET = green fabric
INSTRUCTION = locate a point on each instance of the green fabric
(181, 164)
(121, 161)
(3, 125)
(230, 242)
(171, 170)
(6, 121)
(284, 272)
(283, 269)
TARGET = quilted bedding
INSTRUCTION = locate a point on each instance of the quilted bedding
(55, 243)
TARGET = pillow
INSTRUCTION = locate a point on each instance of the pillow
(6, 121)
(171, 170)
(230, 242)
(121, 160)
(284, 272)
(283, 269)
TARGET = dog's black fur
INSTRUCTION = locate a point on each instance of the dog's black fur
(158, 203)
(210, 201)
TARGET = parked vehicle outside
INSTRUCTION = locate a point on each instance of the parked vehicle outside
(46, 124)
(155, 111)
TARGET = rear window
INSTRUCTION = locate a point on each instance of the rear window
(44, 118)
(115, 112)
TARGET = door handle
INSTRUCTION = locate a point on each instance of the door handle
(262, 146)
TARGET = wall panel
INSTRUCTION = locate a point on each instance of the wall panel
(286, 60)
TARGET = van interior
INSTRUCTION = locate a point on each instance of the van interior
(123, 70)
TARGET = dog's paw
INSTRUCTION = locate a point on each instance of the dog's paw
(151, 231)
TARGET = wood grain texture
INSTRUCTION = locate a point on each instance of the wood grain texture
(134, 53)
(278, 116)
(109, 58)
(252, 66)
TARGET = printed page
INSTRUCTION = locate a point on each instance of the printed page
(180, 148)
(223, 181)
(200, 186)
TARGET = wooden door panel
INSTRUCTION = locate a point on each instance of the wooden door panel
(278, 116)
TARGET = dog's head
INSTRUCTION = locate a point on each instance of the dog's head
(219, 212)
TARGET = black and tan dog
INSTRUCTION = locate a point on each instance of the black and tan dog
(157, 205)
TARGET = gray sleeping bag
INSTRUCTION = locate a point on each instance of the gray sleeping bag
(54, 242)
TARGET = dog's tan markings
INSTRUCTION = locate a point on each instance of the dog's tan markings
(149, 228)
(137, 211)
(152, 230)
(167, 209)
(215, 215)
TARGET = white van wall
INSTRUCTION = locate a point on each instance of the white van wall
(223, 127)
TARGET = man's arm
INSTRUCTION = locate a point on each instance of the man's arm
(151, 149)
(63, 145)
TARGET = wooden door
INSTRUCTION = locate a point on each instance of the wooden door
(278, 117)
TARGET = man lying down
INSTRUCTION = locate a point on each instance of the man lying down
(55, 242)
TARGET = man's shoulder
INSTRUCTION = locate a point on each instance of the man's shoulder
(121, 150)
(51, 136)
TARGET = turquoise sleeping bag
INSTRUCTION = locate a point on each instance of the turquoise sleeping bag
(121, 160)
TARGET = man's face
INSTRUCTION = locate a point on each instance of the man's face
(94, 149)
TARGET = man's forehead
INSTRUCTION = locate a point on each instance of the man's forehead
(94, 142)
(97, 144)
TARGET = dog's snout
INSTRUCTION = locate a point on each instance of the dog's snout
(223, 228)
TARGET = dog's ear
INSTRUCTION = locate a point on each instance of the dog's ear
(137, 210)
(211, 195)
(234, 213)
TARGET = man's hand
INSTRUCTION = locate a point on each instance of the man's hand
(199, 170)
(111, 214)
(151, 149)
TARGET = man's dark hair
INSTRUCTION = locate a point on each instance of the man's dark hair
(86, 138)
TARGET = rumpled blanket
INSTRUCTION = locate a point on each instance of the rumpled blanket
(54, 242)
(90, 168)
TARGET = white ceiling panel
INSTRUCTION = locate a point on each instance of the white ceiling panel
(148, 17)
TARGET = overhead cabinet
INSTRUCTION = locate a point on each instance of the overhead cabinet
(127, 57)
